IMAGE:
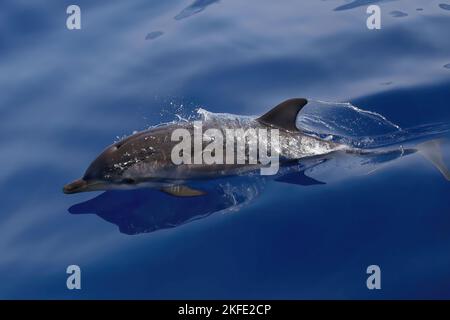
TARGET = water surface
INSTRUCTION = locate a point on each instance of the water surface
(68, 94)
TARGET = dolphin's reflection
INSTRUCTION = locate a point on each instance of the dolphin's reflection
(148, 210)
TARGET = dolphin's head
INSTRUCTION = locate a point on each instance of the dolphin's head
(102, 174)
(111, 169)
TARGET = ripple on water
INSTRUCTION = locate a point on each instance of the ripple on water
(358, 3)
(153, 35)
(398, 14)
(194, 8)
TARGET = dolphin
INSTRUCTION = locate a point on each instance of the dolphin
(144, 159)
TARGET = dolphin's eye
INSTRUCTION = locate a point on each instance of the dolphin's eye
(128, 181)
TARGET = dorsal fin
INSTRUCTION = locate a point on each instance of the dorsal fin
(284, 115)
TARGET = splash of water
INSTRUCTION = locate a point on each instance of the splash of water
(344, 123)
(338, 122)
(343, 119)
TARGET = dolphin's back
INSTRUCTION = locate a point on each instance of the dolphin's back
(158, 141)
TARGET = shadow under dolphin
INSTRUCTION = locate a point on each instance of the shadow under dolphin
(148, 210)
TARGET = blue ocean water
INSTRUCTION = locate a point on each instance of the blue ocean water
(66, 94)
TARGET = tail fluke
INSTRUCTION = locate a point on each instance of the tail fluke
(431, 150)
